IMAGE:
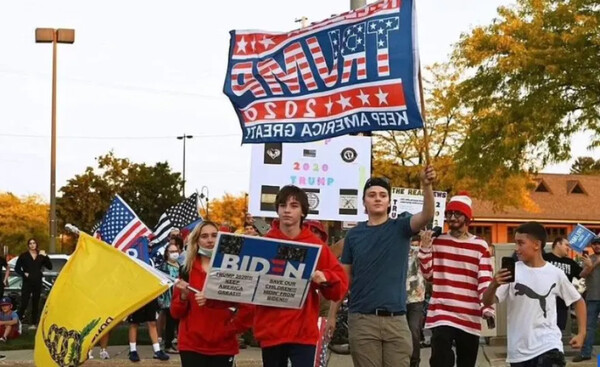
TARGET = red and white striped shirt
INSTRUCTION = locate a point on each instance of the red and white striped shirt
(461, 270)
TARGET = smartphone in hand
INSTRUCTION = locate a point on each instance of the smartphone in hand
(508, 263)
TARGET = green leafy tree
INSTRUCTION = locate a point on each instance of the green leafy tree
(400, 156)
(531, 82)
(149, 190)
(585, 166)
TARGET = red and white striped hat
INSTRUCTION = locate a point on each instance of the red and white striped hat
(461, 203)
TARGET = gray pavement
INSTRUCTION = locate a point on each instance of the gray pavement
(489, 356)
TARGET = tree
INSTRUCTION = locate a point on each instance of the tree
(229, 209)
(585, 166)
(149, 190)
(531, 82)
(21, 219)
(400, 155)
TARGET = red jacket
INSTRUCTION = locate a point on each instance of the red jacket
(275, 326)
(211, 329)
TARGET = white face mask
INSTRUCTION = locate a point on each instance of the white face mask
(205, 251)
(173, 256)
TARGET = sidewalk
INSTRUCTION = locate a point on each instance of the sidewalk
(488, 357)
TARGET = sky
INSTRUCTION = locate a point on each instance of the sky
(140, 73)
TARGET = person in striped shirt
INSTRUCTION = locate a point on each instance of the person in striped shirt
(459, 266)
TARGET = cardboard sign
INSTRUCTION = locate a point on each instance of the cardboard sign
(580, 238)
(261, 271)
(332, 172)
(411, 200)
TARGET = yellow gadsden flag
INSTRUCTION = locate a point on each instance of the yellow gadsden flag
(98, 287)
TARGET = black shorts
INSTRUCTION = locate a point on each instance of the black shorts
(145, 314)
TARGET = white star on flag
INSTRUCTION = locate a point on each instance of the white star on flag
(382, 97)
(344, 102)
(328, 105)
(253, 44)
(266, 42)
(242, 45)
(364, 98)
(388, 23)
(373, 26)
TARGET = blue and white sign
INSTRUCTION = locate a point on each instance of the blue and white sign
(580, 238)
(261, 271)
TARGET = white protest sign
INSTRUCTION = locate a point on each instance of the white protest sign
(332, 172)
(261, 271)
(411, 200)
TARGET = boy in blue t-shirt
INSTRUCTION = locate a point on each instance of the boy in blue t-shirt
(375, 257)
(9, 321)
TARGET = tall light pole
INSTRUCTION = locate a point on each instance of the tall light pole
(54, 36)
(184, 138)
(357, 4)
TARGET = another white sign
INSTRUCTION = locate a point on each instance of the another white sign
(332, 172)
(411, 200)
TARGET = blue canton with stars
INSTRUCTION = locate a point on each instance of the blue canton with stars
(117, 217)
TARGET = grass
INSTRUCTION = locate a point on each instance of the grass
(118, 336)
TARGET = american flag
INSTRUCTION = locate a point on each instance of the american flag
(322, 354)
(121, 227)
(178, 216)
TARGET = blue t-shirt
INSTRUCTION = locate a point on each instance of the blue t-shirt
(379, 259)
(11, 315)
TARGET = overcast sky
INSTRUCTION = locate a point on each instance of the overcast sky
(142, 72)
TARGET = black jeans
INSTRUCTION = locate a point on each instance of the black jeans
(193, 359)
(299, 354)
(170, 325)
(31, 289)
(442, 355)
(414, 316)
(551, 358)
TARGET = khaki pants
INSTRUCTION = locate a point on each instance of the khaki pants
(379, 341)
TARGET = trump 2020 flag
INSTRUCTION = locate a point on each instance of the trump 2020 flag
(351, 73)
(97, 288)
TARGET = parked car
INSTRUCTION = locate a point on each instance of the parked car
(15, 282)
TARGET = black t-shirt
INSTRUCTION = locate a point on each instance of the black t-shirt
(3, 263)
(568, 266)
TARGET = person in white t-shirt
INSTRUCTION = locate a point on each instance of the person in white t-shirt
(534, 339)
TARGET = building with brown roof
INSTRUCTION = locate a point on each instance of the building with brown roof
(563, 201)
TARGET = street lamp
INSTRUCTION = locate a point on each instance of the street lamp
(54, 36)
(184, 138)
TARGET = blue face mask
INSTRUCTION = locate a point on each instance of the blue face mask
(205, 252)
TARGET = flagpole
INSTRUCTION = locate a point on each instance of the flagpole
(425, 133)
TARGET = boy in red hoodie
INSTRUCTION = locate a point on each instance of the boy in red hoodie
(292, 334)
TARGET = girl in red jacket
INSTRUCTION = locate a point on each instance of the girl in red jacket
(292, 334)
(207, 329)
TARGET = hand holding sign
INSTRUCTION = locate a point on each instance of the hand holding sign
(200, 298)
(318, 277)
(587, 262)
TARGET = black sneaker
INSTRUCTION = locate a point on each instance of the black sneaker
(134, 356)
(161, 356)
(580, 358)
(2, 357)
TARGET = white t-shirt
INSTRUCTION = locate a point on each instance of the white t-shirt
(531, 310)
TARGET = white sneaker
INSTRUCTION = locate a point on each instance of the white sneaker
(90, 355)
(104, 354)
(32, 327)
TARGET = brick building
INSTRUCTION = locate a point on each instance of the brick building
(563, 201)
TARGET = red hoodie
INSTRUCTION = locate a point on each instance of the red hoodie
(275, 326)
(211, 329)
